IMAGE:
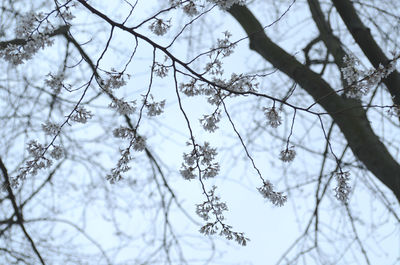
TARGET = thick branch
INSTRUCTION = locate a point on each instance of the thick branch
(331, 42)
(60, 31)
(362, 35)
(353, 122)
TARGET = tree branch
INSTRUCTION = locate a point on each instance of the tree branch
(362, 35)
(353, 123)
(20, 219)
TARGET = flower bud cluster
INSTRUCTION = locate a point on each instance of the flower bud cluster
(288, 154)
(361, 81)
(215, 207)
(267, 191)
(201, 158)
(38, 160)
(343, 188)
(273, 117)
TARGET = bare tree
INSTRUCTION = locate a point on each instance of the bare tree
(100, 99)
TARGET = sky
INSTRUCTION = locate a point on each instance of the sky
(271, 230)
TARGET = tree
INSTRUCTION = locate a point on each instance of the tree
(89, 90)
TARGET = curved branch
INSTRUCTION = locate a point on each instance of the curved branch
(60, 31)
(331, 42)
(362, 35)
(353, 123)
(20, 219)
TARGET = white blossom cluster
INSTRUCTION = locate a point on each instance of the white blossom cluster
(57, 152)
(226, 230)
(66, 14)
(123, 107)
(213, 206)
(81, 115)
(220, 88)
(360, 81)
(28, 24)
(51, 128)
(241, 83)
(201, 157)
(273, 117)
(343, 188)
(28, 30)
(122, 167)
(209, 122)
(37, 151)
(224, 45)
(55, 81)
(190, 9)
(267, 191)
(288, 154)
(137, 143)
(115, 80)
(154, 108)
(160, 26)
(190, 89)
(17, 54)
(160, 70)
(38, 160)
(124, 132)
(214, 67)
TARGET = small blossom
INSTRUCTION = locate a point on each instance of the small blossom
(35, 149)
(211, 171)
(214, 67)
(288, 154)
(209, 122)
(225, 46)
(212, 205)
(343, 188)
(57, 152)
(267, 191)
(190, 9)
(159, 27)
(123, 107)
(187, 172)
(241, 83)
(200, 157)
(139, 143)
(273, 117)
(190, 89)
(160, 70)
(81, 115)
(207, 153)
(27, 24)
(123, 132)
(350, 72)
(209, 229)
(50, 128)
(154, 108)
(359, 82)
(67, 15)
(115, 80)
(122, 166)
(55, 82)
